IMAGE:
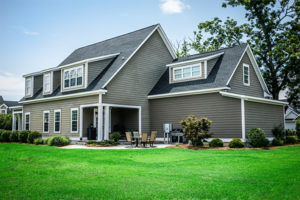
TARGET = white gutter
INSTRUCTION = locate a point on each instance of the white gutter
(192, 92)
(15, 107)
(254, 99)
(68, 96)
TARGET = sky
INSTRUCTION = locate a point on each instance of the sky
(39, 34)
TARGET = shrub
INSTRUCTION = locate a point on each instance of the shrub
(1, 131)
(216, 143)
(46, 141)
(277, 142)
(14, 136)
(256, 138)
(58, 141)
(38, 141)
(33, 135)
(23, 135)
(278, 131)
(6, 121)
(236, 143)
(297, 128)
(116, 136)
(196, 129)
(289, 132)
(291, 139)
(5, 136)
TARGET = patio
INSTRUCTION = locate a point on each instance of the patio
(77, 146)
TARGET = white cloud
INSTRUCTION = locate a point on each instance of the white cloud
(30, 33)
(11, 86)
(173, 6)
(25, 30)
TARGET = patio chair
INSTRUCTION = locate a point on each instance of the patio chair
(129, 138)
(152, 138)
(144, 139)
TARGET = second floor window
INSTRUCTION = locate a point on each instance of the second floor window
(186, 72)
(28, 86)
(246, 75)
(73, 77)
(47, 82)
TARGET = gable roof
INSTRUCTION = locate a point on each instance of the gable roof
(8, 103)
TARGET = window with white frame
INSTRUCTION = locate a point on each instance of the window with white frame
(187, 72)
(3, 111)
(27, 121)
(73, 77)
(47, 83)
(28, 86)
(246, 74)
(57, 118)
(46, 120)
(74, 120)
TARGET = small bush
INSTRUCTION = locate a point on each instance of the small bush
(14, 136)
(116, 136)
(291, 139)
(278, 131)
(277, 142)
(46, 141)
(256, 138)
(23, 135)
(38, 141)
(33, 135)
(216, 143)
(58, 141)
(297, 128)
(289, 132)
(5, 136)
(1, 131)
(236, 143)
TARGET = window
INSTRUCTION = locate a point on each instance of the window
(73, 77)
(28, 86)
(57, 121)
(3, 111)
(47, 83)
(74, 120)
(246, 74)
(46, 121)
(187, 72)
(27, 121)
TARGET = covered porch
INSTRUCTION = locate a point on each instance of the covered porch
(17, 118)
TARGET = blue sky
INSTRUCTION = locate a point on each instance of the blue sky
(35, 35)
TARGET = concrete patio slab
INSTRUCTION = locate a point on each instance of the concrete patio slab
(76, 146)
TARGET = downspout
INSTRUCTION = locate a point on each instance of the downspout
(243, 119)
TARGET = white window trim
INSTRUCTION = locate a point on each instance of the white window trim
(27, 113)
(69, 70)
(46, 111)
(50, 83)
(72, 109)
(55, 111)
(187, 66)
(5, 109)
(246, 65)
(31, 86)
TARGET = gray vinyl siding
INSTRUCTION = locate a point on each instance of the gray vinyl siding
(95, 68)
(36, 114)
(56, 79)
(133, 83)
(237, 85)
(264, 116)
(37, 83)
(224, 112)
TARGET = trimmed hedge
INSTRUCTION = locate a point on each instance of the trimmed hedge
(33, 135)
(216, 143)
(291, 139)
(277, 142)
(236, 143)
(58, 141)
(23, 135)
(5, 135)
(38, 141)
(256, 138)
(14, 136)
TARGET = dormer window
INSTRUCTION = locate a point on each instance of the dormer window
(28, 86)
(246, 75)
(73, 77)
(47, 83)
(186, 72)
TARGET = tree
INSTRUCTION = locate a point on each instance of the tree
(182, 49)
(273, 34)
(6, 121)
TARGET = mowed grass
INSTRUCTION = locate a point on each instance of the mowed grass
(43, 172)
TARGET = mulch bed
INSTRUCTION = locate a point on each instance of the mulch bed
(205, 146)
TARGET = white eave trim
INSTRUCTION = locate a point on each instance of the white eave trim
(196, 60)
(166, 41)
(185, 93)
(41, 72)
(254, 99)
(68, 96)
(4, 105)
(16, 107)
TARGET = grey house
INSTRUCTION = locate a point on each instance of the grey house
(5, 106)
(136, 82)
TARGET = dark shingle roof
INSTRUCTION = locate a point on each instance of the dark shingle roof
(8, 103)
(218, 77)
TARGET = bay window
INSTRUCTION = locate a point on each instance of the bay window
(73, 77)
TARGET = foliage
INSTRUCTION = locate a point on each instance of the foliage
(6, 121)
(236, 143)
(23, 135)
(291, 139)
(256, 138)
(196, 129)
(58, 140)
(278, 131)
(289, 132)
(5, 135)
(298, 127)
(116, 136)
(14, 136)
(277, 142)
(33, 135)
(103, 143)
(216, 143)
(38, 141)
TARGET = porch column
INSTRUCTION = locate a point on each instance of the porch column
(19, 122)
(106, 123)
(100, 119)
(14, 122)
(243, 120)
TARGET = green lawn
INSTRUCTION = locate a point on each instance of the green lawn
(43, 172)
